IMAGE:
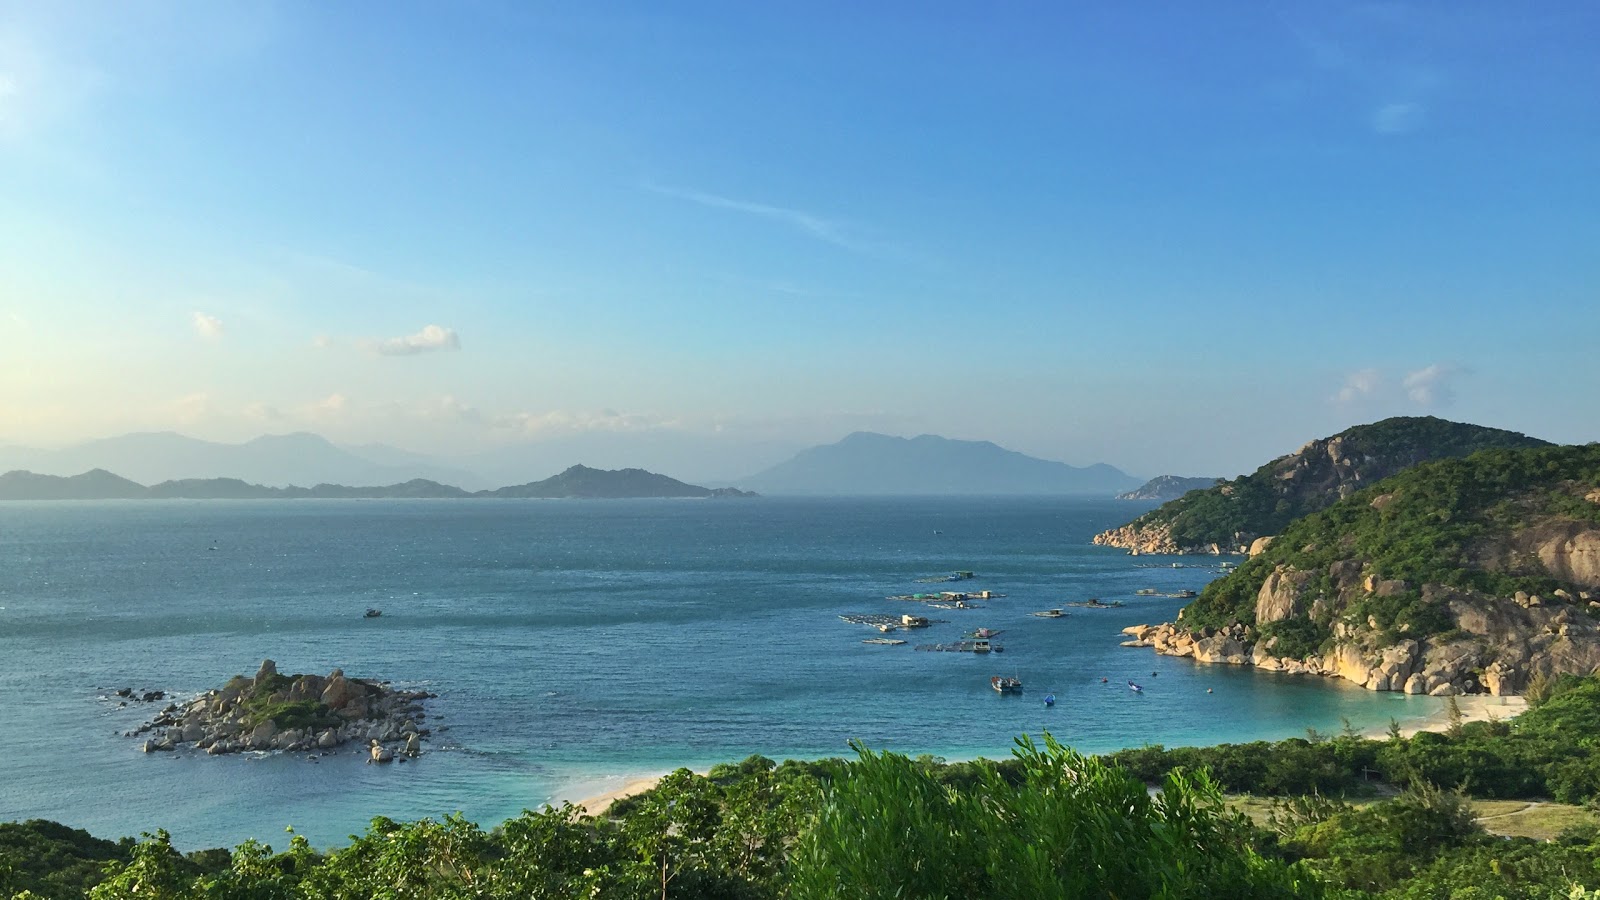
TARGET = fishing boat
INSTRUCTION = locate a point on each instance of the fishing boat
(1049, 699)
(1006, 684)
(1135, 688)
(983, 633)
(887, 642)
(1049, 613)
(372, 613)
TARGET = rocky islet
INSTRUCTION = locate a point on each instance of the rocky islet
(292, 713)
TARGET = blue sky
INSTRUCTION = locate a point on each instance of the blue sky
(1185, 239)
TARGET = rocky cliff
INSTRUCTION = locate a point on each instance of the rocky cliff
(1458, 576)
(1231, 515)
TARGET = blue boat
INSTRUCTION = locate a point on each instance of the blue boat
(1049, 699)
(1135, 688)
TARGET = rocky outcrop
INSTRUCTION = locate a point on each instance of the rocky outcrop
(1282, 596)
(1155, 538)
(294, 713)
(1497, 647)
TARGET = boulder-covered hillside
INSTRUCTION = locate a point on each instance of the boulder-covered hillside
(1227, 518)
(1459, 575)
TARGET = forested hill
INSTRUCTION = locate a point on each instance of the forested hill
(584, 482)
(1231, 515)
(1458, 575)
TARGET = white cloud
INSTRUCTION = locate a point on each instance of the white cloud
(207, 326)
(1397, 118)
(331, 406)
(321, 341)
(1432, 386)
(1360, 384)
(429, 339)
(192, 408)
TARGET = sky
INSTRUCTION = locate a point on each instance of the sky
(1177, 238)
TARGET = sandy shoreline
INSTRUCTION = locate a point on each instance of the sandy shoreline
(1474, 708)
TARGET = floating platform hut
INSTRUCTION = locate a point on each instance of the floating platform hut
(977, 646)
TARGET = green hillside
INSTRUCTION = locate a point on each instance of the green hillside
(1494, 523)
(1233, 514)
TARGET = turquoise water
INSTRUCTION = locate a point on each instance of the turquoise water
(573, 643)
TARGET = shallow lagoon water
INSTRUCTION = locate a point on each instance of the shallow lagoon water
(575, 642)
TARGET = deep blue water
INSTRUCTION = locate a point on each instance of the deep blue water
(572, 643)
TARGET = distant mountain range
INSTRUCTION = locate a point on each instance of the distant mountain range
(578, 482)
(1167, 487)
(273, 460)
(862, 463)
(868, 463)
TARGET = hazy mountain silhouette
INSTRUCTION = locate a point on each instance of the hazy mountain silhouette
(271, 460)
(868, 463)
(577, 482)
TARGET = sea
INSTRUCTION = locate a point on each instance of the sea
(574, 644)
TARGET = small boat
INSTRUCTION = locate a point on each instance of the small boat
(1049, 613)
(983, 633)
(1049, 699)
(1135, 688)
(887, 642)
(1006, 685)
(372, 613)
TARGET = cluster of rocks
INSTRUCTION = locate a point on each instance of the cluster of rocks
(129, 695)
(1155, 538)
(231, 719)
(1497, 647)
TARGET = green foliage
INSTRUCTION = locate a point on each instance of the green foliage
(260, 706)
(154, 870)
(1431, 529)
(1264, 503)
(1376, 847)
(52, 860)
(1073, 827)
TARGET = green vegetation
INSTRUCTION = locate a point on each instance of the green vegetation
(1047, 823)
(1267, 500)
(1435, 523)
(260, 706)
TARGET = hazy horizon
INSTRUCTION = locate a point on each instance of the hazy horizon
(719, 234)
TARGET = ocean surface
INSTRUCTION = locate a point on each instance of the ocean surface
(573, 643)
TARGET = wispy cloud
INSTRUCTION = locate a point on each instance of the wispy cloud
(428, 340)
(832, 231)
(1394, 91)
(1428, 387)
(1359, 384)
(1433, 386)
(1397, 118)
(209, 327)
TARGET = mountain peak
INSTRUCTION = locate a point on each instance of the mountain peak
(865, 462)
